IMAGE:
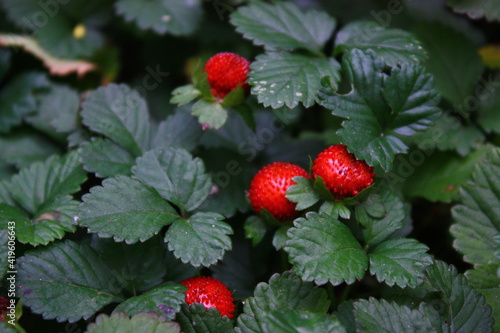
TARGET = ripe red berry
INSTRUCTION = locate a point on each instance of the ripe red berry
(225, 72)
(211, 293)
(343, 174)
(268, 189)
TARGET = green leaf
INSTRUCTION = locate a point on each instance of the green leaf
(43, 182)
(283, 25)
(184, 95)
(105, 158)
(177, 17)
(477, 218)
(24, 147)
(395, 46)
(282, 78)
(165, 300)
(485, 280)
(453, 61)
(381, 316)
(180, 130)
(17, 100)
(322, 250)
(65, 281)
(284, 292)
(39, 200)
(4, 251)
(53, 24)
(255, 229)
(381, 215)
(176, 175)
(488, 116)
(476, 226)
(53, 219)
(320, 187)
(345, 313)
(440, 176)
(120, 114)
(401, 262)
(57, 110)
(124, 259)
(410, 93)
(278, 321)
(235, 98)
(280, 236)
(210, 114)
(195, 318)
(448, 133)
(477, 9)
(461, 307)
(382, 106)
(335, 209)
(302, 193)
(125, 209)
(119, 322)
(200, 240)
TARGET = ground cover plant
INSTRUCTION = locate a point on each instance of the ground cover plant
(249, 166)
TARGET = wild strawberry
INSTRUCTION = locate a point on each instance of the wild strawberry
(268, 189)
(211, 293)
(343, 174)
(225, 72)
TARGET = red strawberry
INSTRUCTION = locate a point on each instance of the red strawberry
(268, 189)
(343, 174)
(211, 293)
(225, 72)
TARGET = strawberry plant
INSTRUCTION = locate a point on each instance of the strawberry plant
(249, 166)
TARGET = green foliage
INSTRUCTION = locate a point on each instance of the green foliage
(119, 322)
(17, 100)
(302, 193)
(165, 300)
(284, 292)
(177, 17)
(66, 281)
(453, 61)
(400, 261)
(125, 209)
(176, 176)
(121, 175)
(381, 215)
(440, 176)
(123, 259)
(201, 239)
(282, 78)
(383, 106)
(4, 251)
(120, 114)
(373, 315)
(395, 46)
(477, 225)
(460, 306)
(322, 250)
(43, 210)
(293, 321)
(283, 26)
(196, 319)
